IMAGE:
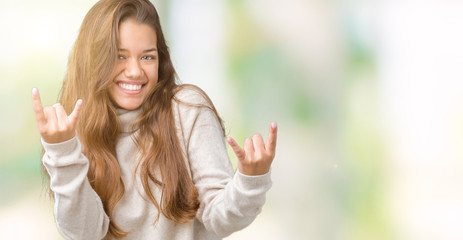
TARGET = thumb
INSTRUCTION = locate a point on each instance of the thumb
(75, 113)
(237, 149)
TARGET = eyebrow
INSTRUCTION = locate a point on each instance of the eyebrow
(144, 51)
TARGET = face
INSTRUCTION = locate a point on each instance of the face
(136, 71)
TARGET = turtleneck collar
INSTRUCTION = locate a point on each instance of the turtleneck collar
(126, 119)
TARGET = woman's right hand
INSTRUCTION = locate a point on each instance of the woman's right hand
(53, 123)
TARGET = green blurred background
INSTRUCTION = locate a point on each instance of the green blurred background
(366, 94)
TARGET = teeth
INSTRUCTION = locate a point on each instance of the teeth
(129, 86)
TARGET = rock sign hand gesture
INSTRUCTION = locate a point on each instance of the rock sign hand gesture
(256, 157)
(53, 123)
(56, 126)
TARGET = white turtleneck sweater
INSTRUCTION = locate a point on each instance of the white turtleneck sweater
(228, 201)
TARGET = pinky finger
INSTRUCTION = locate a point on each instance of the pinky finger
(75, 113)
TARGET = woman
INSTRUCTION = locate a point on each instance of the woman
(141, 157)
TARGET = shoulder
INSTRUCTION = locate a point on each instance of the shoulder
(191, 95)
(191, 101)
(193, 108)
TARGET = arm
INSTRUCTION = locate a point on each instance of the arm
(78, 210)
(229, 202)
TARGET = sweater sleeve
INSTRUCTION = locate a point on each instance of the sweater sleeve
(228, 201)
(78, 209)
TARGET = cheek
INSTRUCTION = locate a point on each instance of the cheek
(111, 91)
(152, 74)
(116, 72)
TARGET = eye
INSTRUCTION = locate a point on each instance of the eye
(121, 57)
(148, 58)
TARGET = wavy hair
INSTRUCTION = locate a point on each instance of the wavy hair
(90, 67)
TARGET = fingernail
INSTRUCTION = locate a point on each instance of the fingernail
(274, 125)
(34, 91)
(56, 105)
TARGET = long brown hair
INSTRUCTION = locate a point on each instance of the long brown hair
(88, 77)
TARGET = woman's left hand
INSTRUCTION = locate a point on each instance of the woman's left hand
(257, 156)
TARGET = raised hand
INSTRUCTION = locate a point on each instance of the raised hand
(53, 123)
(256, 157)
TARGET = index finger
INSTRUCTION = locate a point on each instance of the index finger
(38, 109)
(272, 138)
(237, 149)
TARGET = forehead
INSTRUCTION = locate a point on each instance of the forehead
(133, 34)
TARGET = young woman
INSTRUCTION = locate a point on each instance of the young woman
(140, 156)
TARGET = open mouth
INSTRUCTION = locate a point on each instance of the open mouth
(130, 86)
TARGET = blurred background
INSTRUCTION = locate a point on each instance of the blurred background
(368, 96)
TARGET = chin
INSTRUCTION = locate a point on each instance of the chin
(129, 106)
(134, 107)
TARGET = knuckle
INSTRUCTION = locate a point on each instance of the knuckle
(244, 158)
(272, 155)
(259, 161)
(266, 154)
(63, 129)
(42, 130)
(45, 132)
(251, 157)
(51, 128)
(37, 108)
(236, 148)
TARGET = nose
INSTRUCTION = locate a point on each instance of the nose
(133, 69)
